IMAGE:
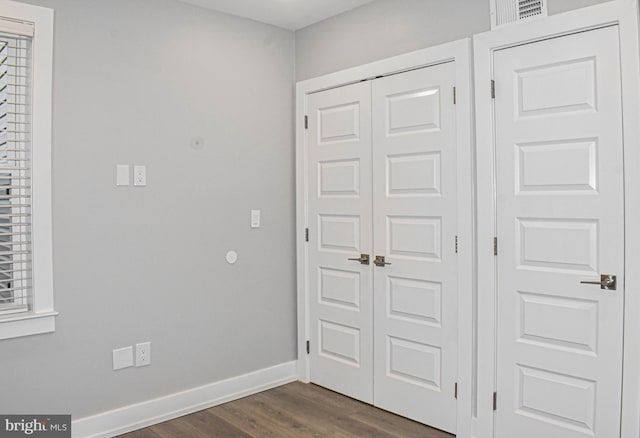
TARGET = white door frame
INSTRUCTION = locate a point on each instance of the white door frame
(623, 13)
(460, 53)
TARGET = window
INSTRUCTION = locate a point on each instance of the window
(15, 165)
(26, 280)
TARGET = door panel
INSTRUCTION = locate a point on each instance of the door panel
(414, 192)
(559, 221)
(341, 307)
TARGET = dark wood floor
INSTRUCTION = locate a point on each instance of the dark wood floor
(291, 411)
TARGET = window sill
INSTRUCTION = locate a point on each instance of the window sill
(27, 324)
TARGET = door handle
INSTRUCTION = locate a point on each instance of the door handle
(607, 282)
(379, 261)
(363, 259)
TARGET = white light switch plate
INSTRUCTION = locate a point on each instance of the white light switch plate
(139, 175)
(122, 175)
(122, 358)
(255, 218)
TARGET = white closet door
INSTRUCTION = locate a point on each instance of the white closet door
(559, 222)
(339, 197)
(415, 297)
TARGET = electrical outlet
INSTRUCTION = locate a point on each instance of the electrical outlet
(143, 354)
(122, 358)
(139, 175)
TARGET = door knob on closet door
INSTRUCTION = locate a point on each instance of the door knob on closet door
(379, 261)
(363, 259)
(607, 282)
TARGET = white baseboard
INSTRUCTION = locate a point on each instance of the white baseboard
(147, 413)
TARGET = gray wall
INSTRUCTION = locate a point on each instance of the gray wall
(558, 6)
(386, 28)
(134, 81)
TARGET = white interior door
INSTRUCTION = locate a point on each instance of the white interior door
(339, 197)
(559, 222)
(415, 221)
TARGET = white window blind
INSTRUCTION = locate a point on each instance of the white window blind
(15, 168)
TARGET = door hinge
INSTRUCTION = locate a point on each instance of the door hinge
(455, 390)
(495, 246)
(306, 122)
(308, 347)
(306, 234)
(456, 244)
(454, 96)
(493, 89)
(495, 401)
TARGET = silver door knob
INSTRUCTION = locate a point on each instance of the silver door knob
(607, 282)
(379, 261)
(363, 259)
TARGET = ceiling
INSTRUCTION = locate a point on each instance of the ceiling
(289, 14)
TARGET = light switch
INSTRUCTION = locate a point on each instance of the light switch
(255, 218)
(122, 358)
(122, 175)
(139, 175)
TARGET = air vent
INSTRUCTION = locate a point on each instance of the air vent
(529, 8)
(511, 11)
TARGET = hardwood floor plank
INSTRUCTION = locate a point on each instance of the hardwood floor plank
(304, 413)
(399, 426)
(177, 427)
(320, 395)
(318, 412)
(296, 410)
(283, 423)
(288, 422)
(214, 426)
(254, 423)
(142, 433)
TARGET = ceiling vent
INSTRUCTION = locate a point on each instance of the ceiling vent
(513, 11)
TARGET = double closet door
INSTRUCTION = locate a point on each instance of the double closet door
(382, 213)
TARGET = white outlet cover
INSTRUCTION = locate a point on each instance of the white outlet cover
(139, 175)
(122, 358)
(143, 354)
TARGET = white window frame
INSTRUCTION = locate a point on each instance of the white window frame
(41, 316)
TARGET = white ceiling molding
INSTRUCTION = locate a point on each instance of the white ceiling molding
(289, 14)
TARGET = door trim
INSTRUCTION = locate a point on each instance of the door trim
(624, 14)
(460, 53)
